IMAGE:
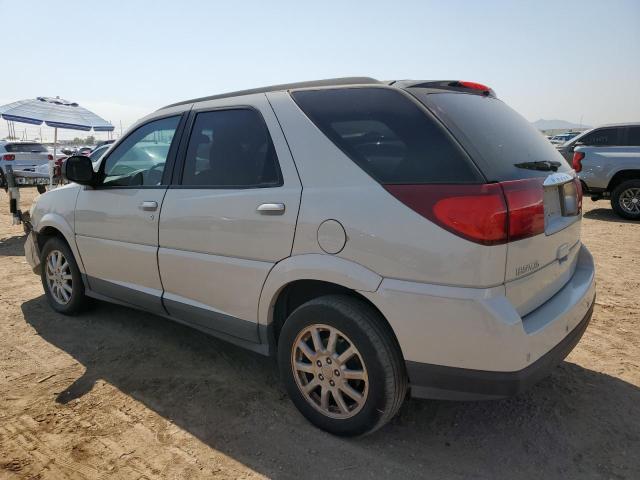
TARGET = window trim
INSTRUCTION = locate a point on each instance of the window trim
(169, 162)
(180, 163)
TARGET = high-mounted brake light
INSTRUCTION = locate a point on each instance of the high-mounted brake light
(8, 157)
(474, 86)
(577, 161)
(489, 214)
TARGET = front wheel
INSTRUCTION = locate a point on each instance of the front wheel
(41, 189)
(341, 365)
(625, 199)
(61, 278)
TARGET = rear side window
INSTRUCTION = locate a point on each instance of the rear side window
(603, 137)
(231, 149)
(500, 140)
(388, 136)
(25, 148)
(633, 136)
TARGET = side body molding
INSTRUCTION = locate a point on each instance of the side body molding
(313, 266)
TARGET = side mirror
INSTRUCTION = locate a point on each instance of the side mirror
(79, 169)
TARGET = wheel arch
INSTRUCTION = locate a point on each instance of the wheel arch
(299, 279)
(51, 225)
(621, 176)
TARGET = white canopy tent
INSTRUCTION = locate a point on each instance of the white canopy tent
(57, 113)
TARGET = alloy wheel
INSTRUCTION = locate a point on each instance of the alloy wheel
(630, 200)
(329, 371)
(59, 279)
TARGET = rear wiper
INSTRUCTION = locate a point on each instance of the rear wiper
(545, 165)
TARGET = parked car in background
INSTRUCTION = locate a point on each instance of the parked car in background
(24, 158)
(97, 154)
(379, 238)
(612, 135)
(104, 142)
(562, 138)
(607, 160)
(86, 151)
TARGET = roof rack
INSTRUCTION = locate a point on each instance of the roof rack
(285, 86)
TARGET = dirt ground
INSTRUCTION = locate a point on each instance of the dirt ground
(122, 394)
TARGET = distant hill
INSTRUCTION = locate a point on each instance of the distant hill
(556, 125)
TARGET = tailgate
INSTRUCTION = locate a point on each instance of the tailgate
(27, 161)
(539, 266)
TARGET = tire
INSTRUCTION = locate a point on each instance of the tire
(77, 301)
(377, 363)
(41, 189)
(625, 199)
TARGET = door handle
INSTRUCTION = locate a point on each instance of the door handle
(271, 209)
(148, 206)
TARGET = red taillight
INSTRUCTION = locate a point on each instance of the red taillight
(474, 86)
(50, 157)
(488, 214)
(475, 212)
(8, 157)
(577, 161)
(526, 208)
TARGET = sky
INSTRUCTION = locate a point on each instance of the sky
(559, 59)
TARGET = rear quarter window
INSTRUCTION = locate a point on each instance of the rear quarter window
(388, 135)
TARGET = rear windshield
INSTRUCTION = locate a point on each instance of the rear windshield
(25, 148)
(504, 144)
(388, 135)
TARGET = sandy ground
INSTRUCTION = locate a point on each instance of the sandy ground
(123, 394)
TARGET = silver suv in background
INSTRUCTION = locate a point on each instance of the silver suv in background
(28, 160)
(379, 238)
(607, 160)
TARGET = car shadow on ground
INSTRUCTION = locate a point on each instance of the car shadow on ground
(231, 400)
(607, 215)
(12, 246)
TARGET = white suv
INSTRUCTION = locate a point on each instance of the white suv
(380, 238)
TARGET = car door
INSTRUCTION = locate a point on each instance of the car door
(116, 223)
(229, 216)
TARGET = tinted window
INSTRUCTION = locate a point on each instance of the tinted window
(506, 145)
(387, 135)
(231, 148)
(139, 160)
(603, 137)
(97, 153)
(25, 148)
(633, 136)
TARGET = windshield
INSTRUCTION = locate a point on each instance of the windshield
(503, 143)
(25, 148)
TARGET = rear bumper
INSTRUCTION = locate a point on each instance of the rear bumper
(466, 343)
(436, 381)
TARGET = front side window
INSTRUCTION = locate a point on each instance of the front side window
(139, 160)
(604, 137)
(231, 149)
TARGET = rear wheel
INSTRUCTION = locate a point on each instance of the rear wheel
(61, 278)
(341, 365)
(625, 199)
